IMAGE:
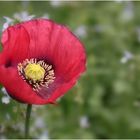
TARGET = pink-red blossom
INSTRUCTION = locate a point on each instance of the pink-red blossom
(58, 55)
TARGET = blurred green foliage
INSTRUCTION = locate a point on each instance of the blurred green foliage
(105, 103)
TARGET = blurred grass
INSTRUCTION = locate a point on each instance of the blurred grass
(107, 94)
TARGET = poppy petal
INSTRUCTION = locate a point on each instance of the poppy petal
(15, 42)
(18, 88)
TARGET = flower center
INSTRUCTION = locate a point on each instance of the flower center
(34, 72)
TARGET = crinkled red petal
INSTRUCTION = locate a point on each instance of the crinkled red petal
(46, 40)
(18, 88)
(15, 42)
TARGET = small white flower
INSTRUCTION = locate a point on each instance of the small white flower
(126, 57)
(45, 16)
(81, 31)
(84, 122)
(5, 100)
(123, 60)
(8, 22)
(23, 16)
(39, 123)
(128, 12)
(4, 91)
(56, 3)
(44, 135)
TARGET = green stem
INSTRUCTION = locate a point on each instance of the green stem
(27, 121)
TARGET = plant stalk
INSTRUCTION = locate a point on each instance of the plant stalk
(27, 121)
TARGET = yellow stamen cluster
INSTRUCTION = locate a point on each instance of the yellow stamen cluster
(34, 72)
(37, 73)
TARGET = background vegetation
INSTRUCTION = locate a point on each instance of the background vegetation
(105, 103)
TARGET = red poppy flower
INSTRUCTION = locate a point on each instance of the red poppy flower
(40, 61)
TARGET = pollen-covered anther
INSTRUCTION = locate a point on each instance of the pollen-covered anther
(36, 73)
